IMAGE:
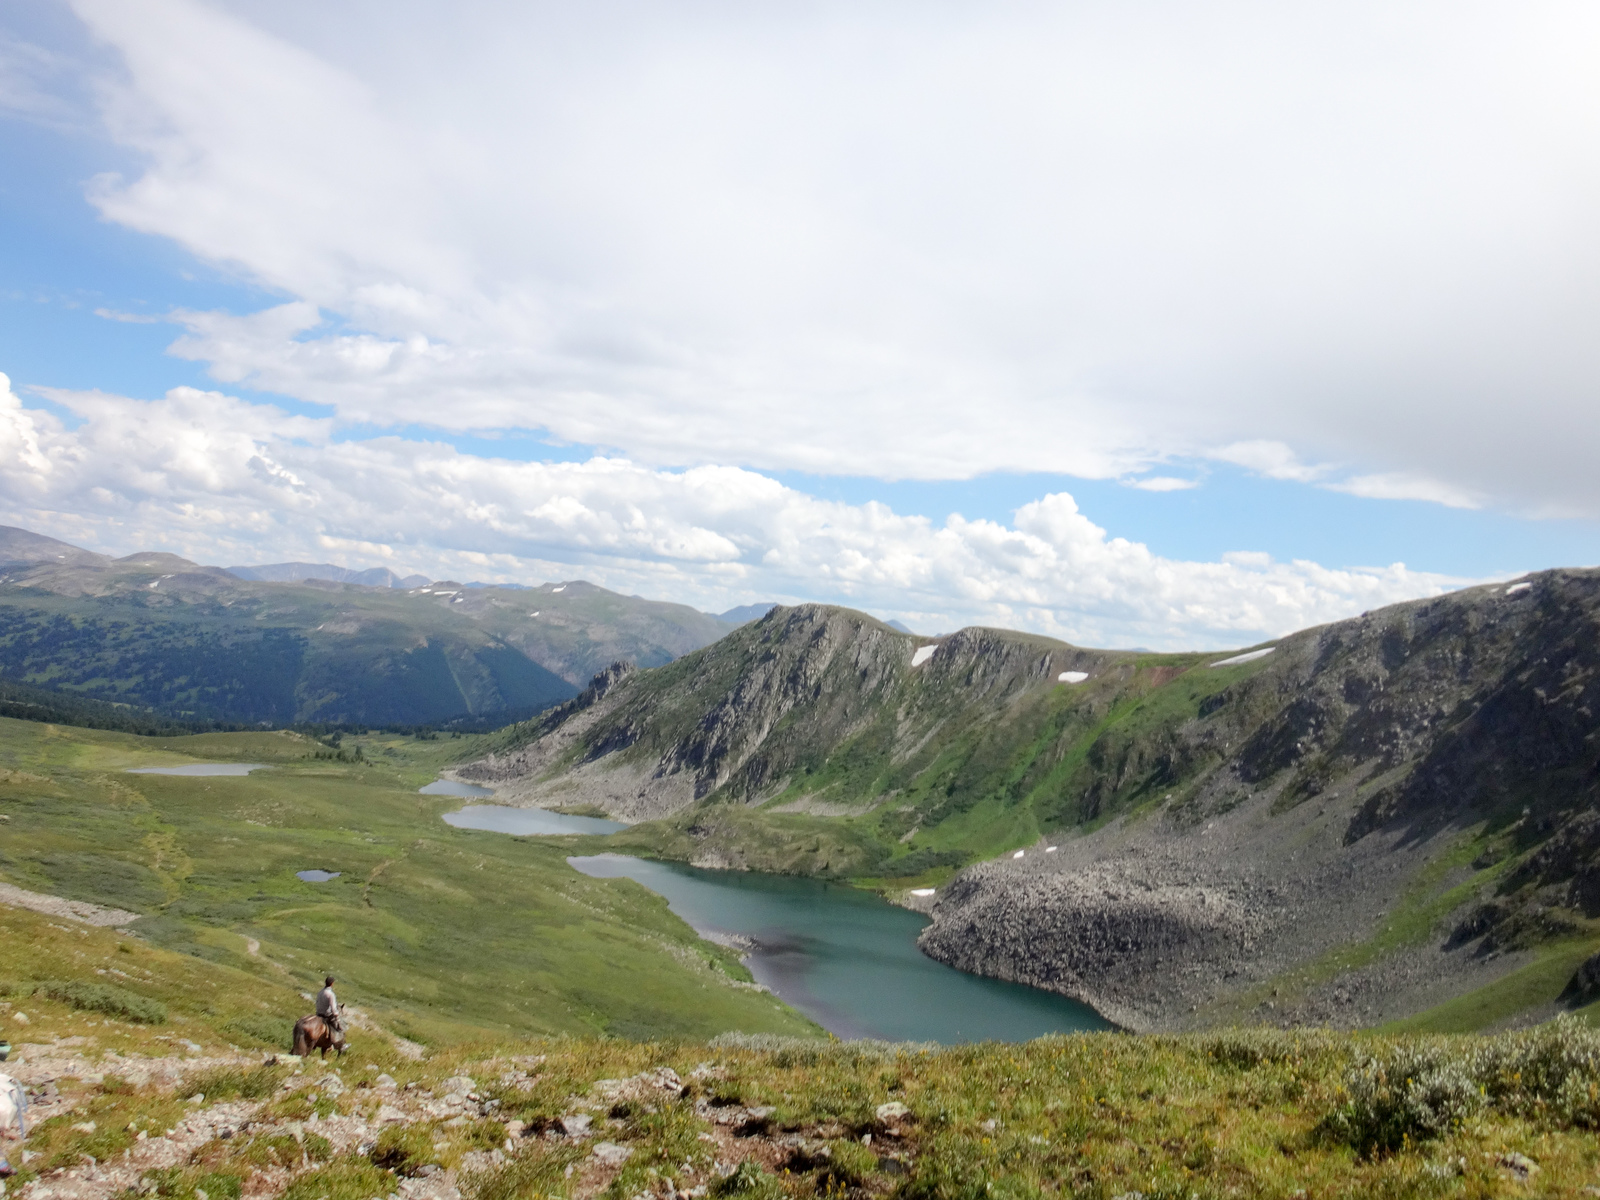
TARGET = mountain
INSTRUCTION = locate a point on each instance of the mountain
(1387, 816)
(19, 547)
(184, 641)
(294, 572)
(746, 613)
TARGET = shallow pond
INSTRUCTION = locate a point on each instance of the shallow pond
(317, 876)
(497, 818)
(201, 769)
(452, 787)
(846, 958)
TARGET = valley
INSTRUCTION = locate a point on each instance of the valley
(443, 934)
(1385, 820)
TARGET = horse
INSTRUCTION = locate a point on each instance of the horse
(314, 1033)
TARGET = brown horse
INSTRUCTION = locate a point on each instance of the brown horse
(313, 1033)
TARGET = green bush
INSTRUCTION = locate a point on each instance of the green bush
(1409, 1094)
(1419, 1090)
(104, 998)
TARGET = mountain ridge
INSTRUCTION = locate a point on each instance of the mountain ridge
(194, 642)
(1362, 821)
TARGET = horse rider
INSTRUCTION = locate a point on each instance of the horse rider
(328, 1006)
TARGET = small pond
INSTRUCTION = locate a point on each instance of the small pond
(846, 958)
(497, 818)
(317, 876)
(201, 769)
(451, 787)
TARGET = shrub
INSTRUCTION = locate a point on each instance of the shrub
(1529, 1070)
(104, 998)
(1411, 1093)
(1418, 1090)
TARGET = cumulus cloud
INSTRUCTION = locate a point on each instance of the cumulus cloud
(1342, 244)
(215, 478)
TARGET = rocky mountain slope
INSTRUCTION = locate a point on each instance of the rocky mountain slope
(163, 633)
(1382, 817)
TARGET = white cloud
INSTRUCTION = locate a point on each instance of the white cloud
(902, 240)
(223, 481)
(1272, 459)
(1162, 483)
(1397, 486)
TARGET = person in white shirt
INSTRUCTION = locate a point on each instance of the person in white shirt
(328, 1005)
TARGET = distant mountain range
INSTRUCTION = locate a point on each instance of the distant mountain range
(296, 571)
(185, 641)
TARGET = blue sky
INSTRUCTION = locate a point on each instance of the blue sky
(605, 330)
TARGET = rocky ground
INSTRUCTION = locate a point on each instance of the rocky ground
(1181, 919)
(357, 1111)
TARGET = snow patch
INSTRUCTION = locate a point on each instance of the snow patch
(533, 614)
(923, 654)
(1051, 849)
(562, 588)
(1510, 591)
(1018, 854)
(922, 891)
(1244, 658)
(1072, 676)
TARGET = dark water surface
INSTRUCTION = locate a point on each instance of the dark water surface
(846, 958)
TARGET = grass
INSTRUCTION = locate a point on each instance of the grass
(1251, 1113)
(1233, 1113)
(442, 933)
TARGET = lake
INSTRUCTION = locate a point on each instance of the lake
(847, 958)
(201, 769)
(497, 818)
(452, 787)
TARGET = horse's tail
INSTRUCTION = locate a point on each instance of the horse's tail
(302, 1037)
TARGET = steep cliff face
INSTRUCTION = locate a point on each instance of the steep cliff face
(810, 708)
(1370, 817)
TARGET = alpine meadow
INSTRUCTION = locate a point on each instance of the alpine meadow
(831, 602)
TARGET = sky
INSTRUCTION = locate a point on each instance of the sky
(1180, 326)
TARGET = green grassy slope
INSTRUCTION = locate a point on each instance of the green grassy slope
(1236, 1113)
(443, 933)
(877, 771)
